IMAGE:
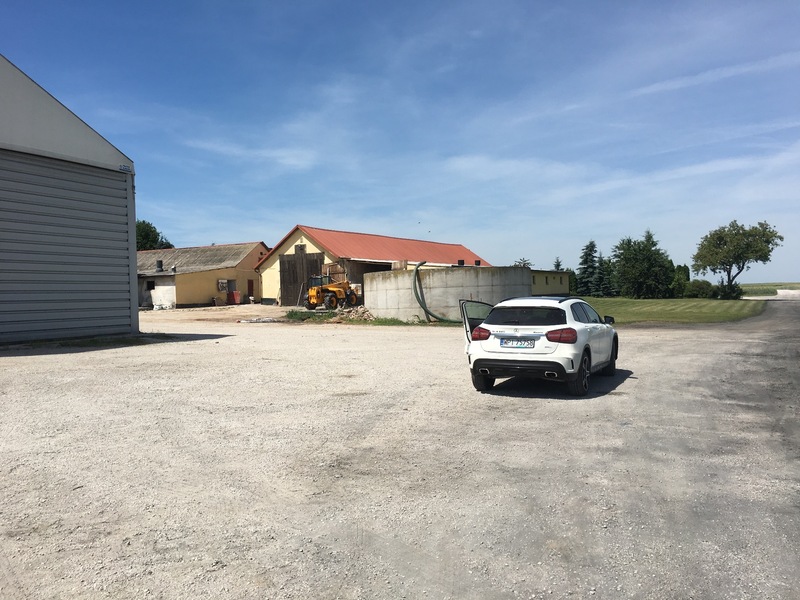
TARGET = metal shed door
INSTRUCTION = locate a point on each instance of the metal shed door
(65, 253)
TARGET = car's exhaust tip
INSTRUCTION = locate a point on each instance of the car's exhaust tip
(483, 371)
(550, 374)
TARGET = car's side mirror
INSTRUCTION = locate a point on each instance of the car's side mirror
(608, 320)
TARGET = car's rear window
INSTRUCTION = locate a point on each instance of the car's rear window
(526, 315)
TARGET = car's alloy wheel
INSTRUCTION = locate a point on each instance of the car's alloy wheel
(580, 385)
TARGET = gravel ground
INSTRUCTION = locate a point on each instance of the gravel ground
(226, 459)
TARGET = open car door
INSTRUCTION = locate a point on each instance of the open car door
(473, 314)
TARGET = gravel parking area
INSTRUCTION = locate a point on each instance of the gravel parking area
(225, 459)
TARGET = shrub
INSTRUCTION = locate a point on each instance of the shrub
(700, 288)
(729, 291)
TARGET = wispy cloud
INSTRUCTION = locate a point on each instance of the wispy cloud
(782, 61)
(482, 167)
(300, 159)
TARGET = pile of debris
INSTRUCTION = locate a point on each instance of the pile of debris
(356, 313)
(259, 320)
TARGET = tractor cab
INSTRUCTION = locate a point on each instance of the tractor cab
(318, 280)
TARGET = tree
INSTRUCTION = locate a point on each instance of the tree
(150, 238)
(730, 249)
(587, 266)
(523, 262)
(557, 266)
(602, 284)
(573, 282)
(642, 269)
(680, 281)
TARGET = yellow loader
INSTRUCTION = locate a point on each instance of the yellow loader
(322, 290)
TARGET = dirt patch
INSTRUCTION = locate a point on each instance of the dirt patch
(215, 314)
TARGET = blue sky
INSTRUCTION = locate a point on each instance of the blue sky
(517, 128)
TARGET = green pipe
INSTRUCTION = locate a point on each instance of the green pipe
(421, 299)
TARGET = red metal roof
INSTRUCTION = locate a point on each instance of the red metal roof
(370, 247)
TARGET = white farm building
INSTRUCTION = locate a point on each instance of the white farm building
(67, 221)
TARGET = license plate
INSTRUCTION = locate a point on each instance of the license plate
(517, 343)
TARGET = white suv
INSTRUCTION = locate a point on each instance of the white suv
(561, 339)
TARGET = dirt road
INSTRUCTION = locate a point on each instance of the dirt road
(272, 460)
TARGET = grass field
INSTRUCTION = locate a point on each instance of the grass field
(685, 310)
(624, 310)
(767, 289)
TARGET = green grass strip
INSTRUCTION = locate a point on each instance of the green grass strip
(685, 310)
(624, 310)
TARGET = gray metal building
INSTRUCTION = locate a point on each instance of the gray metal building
(67, 221)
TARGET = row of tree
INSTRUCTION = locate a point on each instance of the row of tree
(640, 269)
(635, 269)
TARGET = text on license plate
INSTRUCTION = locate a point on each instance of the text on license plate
(517, 342)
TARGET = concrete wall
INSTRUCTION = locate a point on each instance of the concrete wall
(391, 295)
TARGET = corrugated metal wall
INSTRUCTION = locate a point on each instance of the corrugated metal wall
(65, 257)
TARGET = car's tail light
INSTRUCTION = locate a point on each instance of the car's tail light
(563, 336)
(479, 334)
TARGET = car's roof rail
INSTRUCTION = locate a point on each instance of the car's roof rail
(559, 297)
(555, 297)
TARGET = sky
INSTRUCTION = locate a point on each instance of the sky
(518, 128)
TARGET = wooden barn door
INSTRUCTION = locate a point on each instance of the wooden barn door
(295, 270)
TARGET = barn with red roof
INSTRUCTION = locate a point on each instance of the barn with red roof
(307, 251)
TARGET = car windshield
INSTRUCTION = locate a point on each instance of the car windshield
(526, 315)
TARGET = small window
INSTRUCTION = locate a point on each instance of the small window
(299, 248)
(151, 285)
(534, 279)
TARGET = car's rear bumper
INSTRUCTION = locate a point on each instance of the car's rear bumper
(539, 369)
